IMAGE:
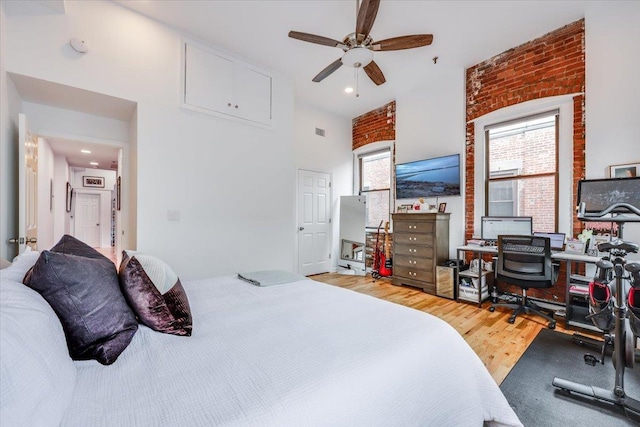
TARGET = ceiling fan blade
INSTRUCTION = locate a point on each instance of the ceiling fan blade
(374, 73)
(366, 16)
(403, 42)
(312, 38)
(328, 70)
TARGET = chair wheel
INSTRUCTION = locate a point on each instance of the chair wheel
(512, 320)
(492, 309)
(552, 325)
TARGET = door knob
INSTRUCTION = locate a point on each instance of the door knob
(301, 228)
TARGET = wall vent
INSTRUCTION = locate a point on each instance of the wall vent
(319, 132)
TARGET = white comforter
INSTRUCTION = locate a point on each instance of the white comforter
(297, 354)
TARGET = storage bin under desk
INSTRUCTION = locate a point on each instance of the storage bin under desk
(471, 284)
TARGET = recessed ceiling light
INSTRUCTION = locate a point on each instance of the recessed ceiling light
(348, 89)
(93, 163)
(85, 151)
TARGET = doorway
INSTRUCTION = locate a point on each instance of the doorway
(314, 222)
(87, 219)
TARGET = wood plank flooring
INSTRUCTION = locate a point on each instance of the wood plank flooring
(498, 343)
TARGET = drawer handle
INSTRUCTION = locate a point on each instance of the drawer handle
(413, 250)
(413, 262)
(413, 239)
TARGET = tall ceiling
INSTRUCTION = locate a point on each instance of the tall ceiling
(465, 33)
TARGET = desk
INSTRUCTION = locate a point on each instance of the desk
(568, 258)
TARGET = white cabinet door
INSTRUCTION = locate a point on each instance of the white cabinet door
(208, 80)
(252, 94)
(218, 84)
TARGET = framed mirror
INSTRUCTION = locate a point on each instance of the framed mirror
(353, 217)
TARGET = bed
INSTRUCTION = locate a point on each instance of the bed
(296, 354)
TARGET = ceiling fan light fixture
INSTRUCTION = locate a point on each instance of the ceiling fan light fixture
(357, 57)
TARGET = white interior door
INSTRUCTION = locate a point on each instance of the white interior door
(314, 219)
(27, 186)
(87, 219)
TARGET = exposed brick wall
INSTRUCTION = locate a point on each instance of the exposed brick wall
(551, 65)
(374, 126)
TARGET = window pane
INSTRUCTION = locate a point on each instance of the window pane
(533, 197)
(376, 172)
(377, 207)
(529, 147)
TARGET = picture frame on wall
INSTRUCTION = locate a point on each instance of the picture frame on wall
(93, 181)
(628, 170)
(69, 197)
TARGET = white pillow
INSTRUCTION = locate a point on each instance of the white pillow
(21, 264)
(37, 375)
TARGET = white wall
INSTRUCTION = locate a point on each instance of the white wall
(61, 217)
(232, 183)
(331, 153)
(430, 122)
(52, 121)
(613, 91)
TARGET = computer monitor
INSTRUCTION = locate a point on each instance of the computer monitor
(599, 194)
(556, 239)
(493, 226)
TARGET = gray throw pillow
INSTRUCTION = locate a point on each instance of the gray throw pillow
(85, 294)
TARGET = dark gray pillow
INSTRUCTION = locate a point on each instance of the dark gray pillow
(70, 245)
(155, 293)
(85, 294)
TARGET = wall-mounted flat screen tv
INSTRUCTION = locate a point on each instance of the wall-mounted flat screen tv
(435, 177)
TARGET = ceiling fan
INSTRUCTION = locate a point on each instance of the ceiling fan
(358, 47)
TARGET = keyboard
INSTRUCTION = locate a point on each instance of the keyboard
(514, 247)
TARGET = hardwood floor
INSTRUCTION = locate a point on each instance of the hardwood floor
(498, 343)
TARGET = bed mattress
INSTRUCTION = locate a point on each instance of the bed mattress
(295, 354)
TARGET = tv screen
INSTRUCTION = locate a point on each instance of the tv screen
(599, 194)
(435, 177)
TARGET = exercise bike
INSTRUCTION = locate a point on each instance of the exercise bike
(614, 267)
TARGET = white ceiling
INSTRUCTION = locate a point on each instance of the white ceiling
(465, 33)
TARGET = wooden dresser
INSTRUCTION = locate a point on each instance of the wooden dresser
(420, 243)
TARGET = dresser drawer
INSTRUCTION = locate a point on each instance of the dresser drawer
(413, 227)
(414, 250)
(413, 238)
(413, 262)
(413, 274)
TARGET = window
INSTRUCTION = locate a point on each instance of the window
(522, 165)
(375, 184)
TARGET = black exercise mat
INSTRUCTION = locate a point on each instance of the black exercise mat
(537, 402)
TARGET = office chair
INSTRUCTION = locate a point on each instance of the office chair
(525, 261)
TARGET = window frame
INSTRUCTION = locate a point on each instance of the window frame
(371, 149)
(519, 176)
